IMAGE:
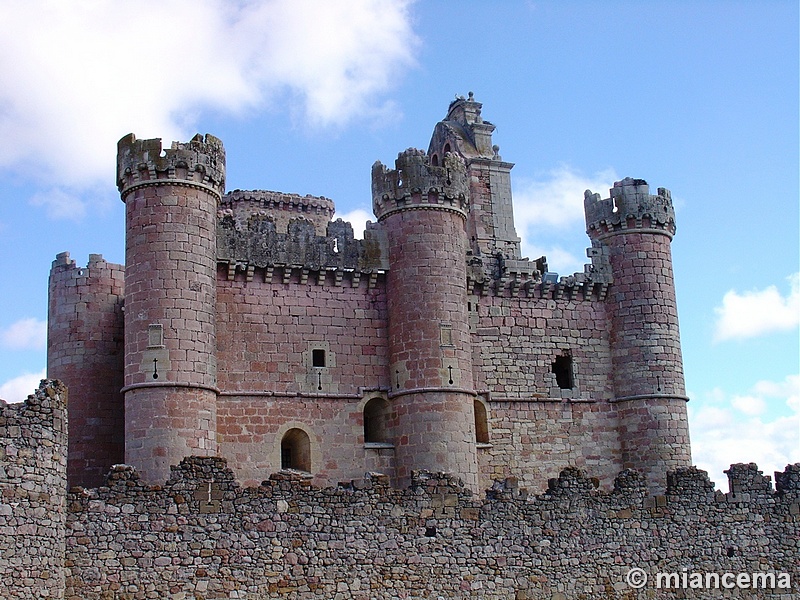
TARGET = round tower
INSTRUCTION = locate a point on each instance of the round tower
(85, 351)
(649, 388)
(423, 209)
(171, 198)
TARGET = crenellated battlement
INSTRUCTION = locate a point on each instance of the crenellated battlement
(244, 205)
(65, 267)
(434, 534)
(199, 162)
(524, 278)
(630, 206)
(416, 183)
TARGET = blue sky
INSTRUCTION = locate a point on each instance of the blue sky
(698, 97)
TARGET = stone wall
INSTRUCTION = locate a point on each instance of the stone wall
(33, 487)
(85, 349)
(203, 536)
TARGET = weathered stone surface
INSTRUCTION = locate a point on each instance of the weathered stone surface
(367, 540)
(33, 494)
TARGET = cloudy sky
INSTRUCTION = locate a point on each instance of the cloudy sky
(698, 97)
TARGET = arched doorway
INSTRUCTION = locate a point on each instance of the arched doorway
(296, 450)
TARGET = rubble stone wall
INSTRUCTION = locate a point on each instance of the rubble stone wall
(203, 536)
(33, 488)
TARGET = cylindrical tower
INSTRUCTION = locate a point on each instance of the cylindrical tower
(423, 210)
(649, 389)
(171, 200)
(85, 351)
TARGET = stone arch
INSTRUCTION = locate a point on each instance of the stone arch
(481, 421)
(296, 450)
(376, 417)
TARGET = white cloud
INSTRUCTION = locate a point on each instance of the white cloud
(557, 199)
(749, 405)
(758, 312)
(60, 204)
(559, 259)
(358, 219)
(78, 76)
(19, 388)
(548, 209)
(726, 432)
(25, 334)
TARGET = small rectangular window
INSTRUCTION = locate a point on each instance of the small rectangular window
(318, 357)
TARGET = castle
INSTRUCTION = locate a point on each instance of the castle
(249, 325)
(252, 351)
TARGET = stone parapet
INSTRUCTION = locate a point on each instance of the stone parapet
(417, 184)
(630, 206)
(202, 535)
(199, 162)
(246, 205)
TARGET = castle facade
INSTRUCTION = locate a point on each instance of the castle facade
(249, 325)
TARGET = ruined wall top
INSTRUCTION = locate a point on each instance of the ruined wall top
(417, 183)
(199, 162)
(631, 205)
(65, 264)
(281, 207)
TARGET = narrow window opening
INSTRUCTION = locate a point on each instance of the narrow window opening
(296, 450)
(446, 148)
(318, 357)
(562, 367)
(435, 160)
(430, 532)
(481, 422)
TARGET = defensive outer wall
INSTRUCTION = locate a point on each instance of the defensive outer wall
(202, 536)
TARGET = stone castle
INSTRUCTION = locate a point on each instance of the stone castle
(249, 325)
(306, 415)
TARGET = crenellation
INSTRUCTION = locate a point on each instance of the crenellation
(201, 533)
(200, 162)
(630, 206)
(416, 182)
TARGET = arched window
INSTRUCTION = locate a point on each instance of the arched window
(296, 450)
(446, 148)
(376, 413)
(435, 160)
(481, 422)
